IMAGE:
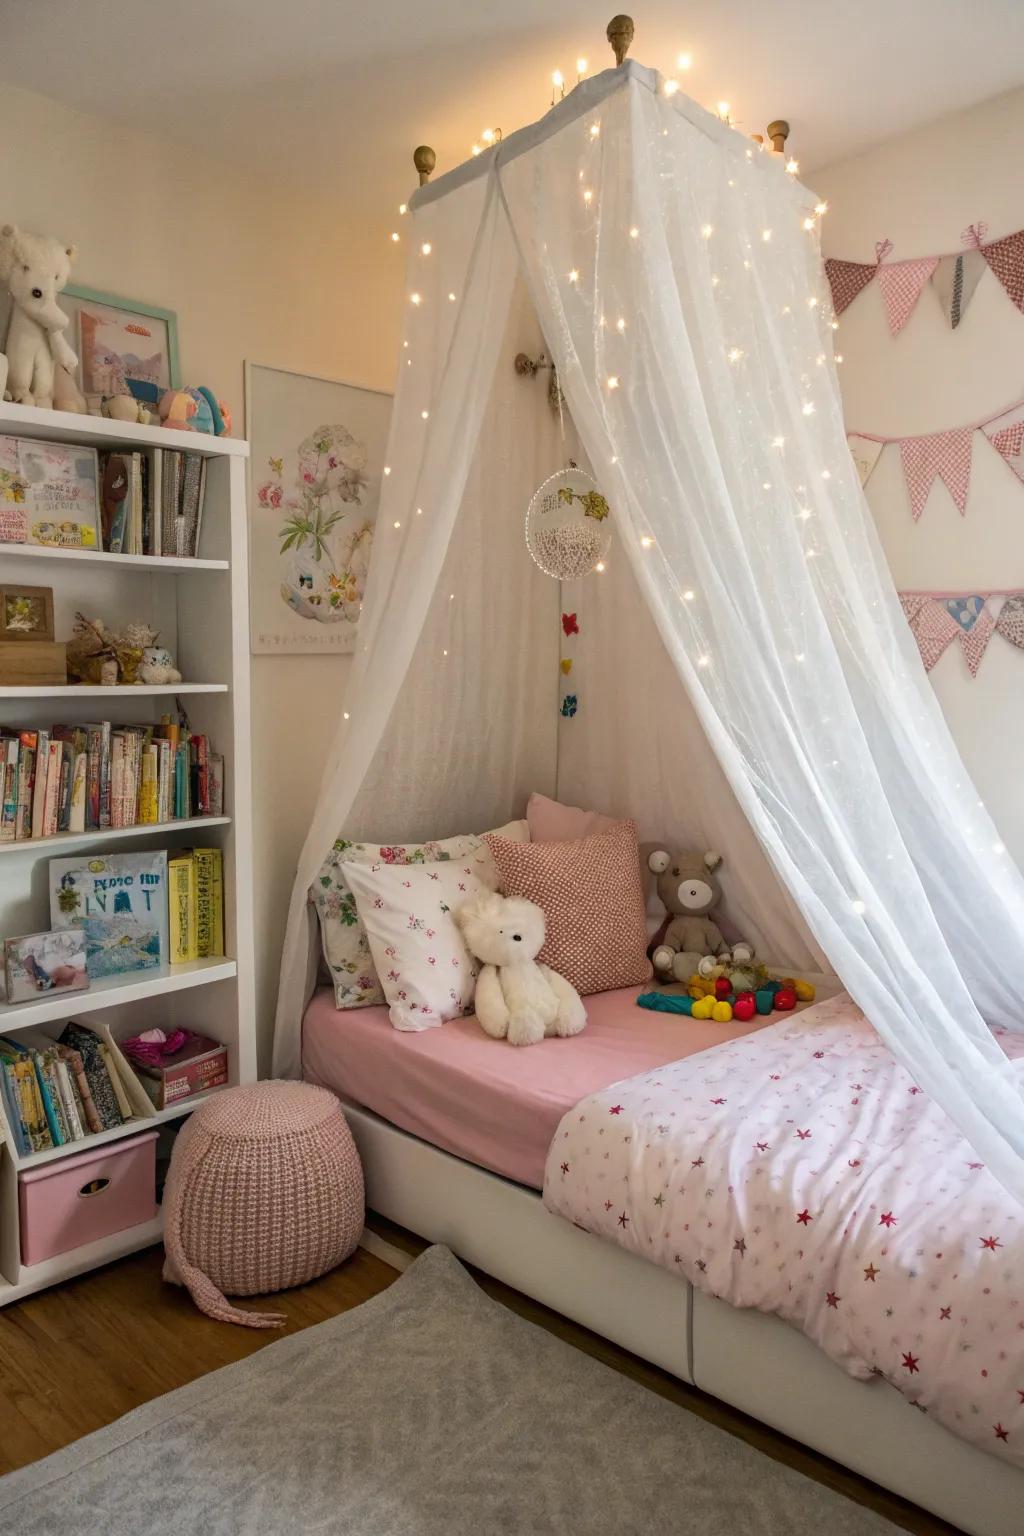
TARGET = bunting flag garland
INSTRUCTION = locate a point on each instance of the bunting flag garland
(945, 456)
(936, 619)
(954, 276)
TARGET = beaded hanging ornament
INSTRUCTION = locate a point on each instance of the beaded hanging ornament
(568, 525)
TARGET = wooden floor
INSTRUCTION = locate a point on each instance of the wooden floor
(78, 1356)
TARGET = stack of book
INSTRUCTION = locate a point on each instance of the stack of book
(152, 502)
(72, 778)
(60, 1091)
(195, 896)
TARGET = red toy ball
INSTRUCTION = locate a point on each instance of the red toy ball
(723, 986)
(785, 998)
(744, 1007)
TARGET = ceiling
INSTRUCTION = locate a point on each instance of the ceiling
(337, 94)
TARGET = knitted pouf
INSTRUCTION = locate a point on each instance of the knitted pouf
(265, 1191)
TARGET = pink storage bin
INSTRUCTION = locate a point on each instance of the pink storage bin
(75, 1200)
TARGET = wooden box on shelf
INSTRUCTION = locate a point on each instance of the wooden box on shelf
(33, 663)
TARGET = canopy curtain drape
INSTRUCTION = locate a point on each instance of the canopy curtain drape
(684, 302)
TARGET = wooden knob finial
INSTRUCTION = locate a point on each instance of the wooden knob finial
(778, 132)
(424, 160)
(620, 35)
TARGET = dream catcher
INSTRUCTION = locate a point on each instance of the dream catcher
(568, 525)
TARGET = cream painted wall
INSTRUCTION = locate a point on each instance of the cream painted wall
(920, 191)
(254, 271)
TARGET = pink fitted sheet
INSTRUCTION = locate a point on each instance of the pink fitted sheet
(494, 1104)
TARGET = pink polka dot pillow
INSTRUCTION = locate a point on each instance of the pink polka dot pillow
(593, 902)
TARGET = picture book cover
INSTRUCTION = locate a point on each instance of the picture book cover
(120, 902)
(40, 963)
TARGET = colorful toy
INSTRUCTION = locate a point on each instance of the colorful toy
(744, 1007)
(194, 410)
(721, 1012)
(765, 1000)
(665, 1002)
(35, 269)
(785, 999)
(702, 1008)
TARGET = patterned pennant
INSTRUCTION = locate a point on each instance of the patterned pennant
(1006, 434)
(901, 283)
(1010, 622)
(865, 452)
(934, 628)
(954, 280)
(1006, 258)
(911, 603)
(975, 624)
(943, 454)
(846, 279)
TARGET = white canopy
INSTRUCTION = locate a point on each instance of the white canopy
(676, 276)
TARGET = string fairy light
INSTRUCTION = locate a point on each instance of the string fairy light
(415, 298)
(557, 85)
(723, 110)
(595, 130)
(793, 167)
(581, 69)
(395, 236)
(684, 61)
(426, 248)
(671, 87)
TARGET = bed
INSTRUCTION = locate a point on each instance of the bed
(454, 1134)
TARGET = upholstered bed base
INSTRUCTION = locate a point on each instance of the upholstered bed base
(749, 1359)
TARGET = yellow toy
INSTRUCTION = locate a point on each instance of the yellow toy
(721, 1012)
(703, 1008)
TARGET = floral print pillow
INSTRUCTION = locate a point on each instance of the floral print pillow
(343, 936)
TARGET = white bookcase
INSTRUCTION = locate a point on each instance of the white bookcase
(200, 607)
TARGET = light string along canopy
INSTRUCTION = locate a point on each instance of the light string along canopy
(713, 417)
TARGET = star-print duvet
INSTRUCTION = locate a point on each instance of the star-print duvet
(800, 1170)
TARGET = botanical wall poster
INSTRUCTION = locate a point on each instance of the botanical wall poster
(317, 460)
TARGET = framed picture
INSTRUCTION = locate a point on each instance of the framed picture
(26, 613)
(121, 344)
(45, 962)
(317, 461)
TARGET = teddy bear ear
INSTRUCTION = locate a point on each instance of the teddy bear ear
(712, 861)
(658, 861)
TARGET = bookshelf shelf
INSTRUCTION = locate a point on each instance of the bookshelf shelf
(151, 564)
(113, 691)
(204, 622)
(111, 834)
(114, 991)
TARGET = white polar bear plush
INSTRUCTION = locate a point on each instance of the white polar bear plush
(35, 268)
(516, 998)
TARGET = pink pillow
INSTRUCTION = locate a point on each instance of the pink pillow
(552, 822)
(590, 892)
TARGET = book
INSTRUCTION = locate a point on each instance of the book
(209, 887)
(51, 797)
(154, 545)
(72, 1059)
(216, 800)
(182, 904)
(24, 1086)
(170, 496)
(9, 797)
(27, 742)
(187, 523)
(76, 819)
(115, 1081)
(200, 1065)
(49, 493)
(12, 1111)
(121, 903)
(39, 786)
(69, 1098)
(97, 1075)
(135, 510)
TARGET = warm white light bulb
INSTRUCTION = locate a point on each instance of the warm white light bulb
(707, 230)
(394, 234)
(595, 129)
(734, 354)
(426, 247)
(574, 276)
(687, 597)
(723, 111)
(387, 469)
(581, 66)
(808, 407)
(793, 167)
(475, 149)
(488, 135)
(646, 542)
(703, 661)
(403, 207)
(588, 197)
(812, 302)
(766, 235)
(821, 209)
(671, 86)
(397, 524)
(808, 223)
(414, 298)
(425, 414)
(451, 298)
(684, 61)
(599, 566)
(556, 78)
(634, 233)
(613, 382)
(778, 442)
(346, 715)
(620, 325)
(858, 906)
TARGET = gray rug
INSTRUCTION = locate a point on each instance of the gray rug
(429, 1411)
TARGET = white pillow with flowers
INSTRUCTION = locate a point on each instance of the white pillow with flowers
(346, 948)
(425, 969)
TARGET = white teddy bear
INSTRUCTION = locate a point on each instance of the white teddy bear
(36, 268)
(516, 998)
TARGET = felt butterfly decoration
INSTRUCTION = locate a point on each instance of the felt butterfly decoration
(277, 465)
(570, 704)
(566, 664)
(570, 624)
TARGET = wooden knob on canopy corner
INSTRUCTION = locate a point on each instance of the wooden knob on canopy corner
(620, 35)
(424, 160)
(778, 133)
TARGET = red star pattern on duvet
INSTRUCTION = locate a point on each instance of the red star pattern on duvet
(879, 1234)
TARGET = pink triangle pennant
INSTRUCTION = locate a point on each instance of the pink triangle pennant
(1006, 434)
(1010, 622)
(846, 279)
(934, 628)
(901, 283)
(974, 642)
(943, 454)
(1006, 258)
(911, 603)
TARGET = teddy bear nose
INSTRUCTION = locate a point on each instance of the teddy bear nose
(518, 938)
(37, 293)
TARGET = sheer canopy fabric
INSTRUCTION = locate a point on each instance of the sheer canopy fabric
(684, 303)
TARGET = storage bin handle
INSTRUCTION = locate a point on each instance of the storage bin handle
(94, 1187)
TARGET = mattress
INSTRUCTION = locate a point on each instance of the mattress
(491, 1103)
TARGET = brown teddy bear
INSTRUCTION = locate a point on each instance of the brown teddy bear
(686, 884)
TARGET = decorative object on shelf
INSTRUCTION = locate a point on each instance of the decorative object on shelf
(132, 651)
(568, 528)
(936, 619)
(33, 663)
(176, 1066)
(39, 963)
(954, 275)
(265, 1191)
(121, 902)
(125, 347)
(49, 494)
(157, 666)
(125, 407)
(195, 410)
(35, 269)
(26, 613)
(317, 468)
(944, 456)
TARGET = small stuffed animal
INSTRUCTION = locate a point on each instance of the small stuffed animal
(516, 998)
(693, 942)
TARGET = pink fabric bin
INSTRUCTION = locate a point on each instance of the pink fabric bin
(75, 1200)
